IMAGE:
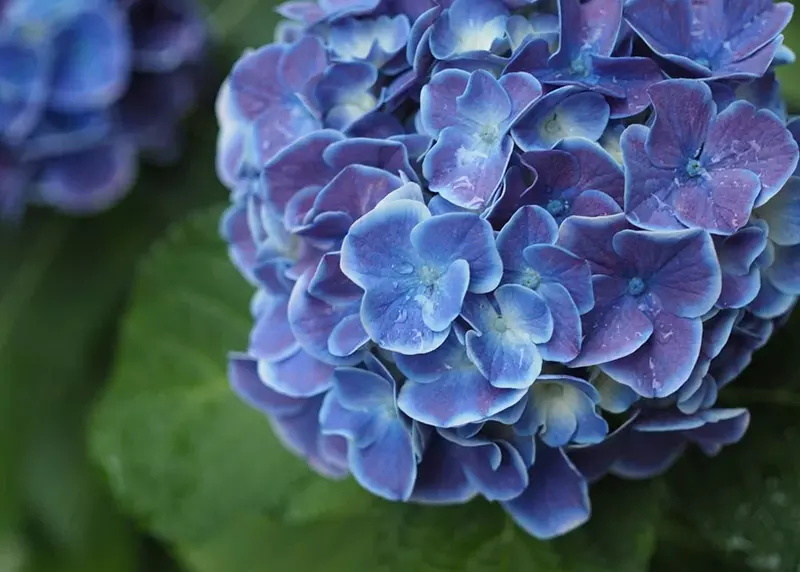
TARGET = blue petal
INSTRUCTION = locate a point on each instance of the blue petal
(504, 349)
(663, 364)
(362, 390)
(441, 240)
(456, 398)
(93, 62)
(88, 181)
(784, 273)
(388, 467)
(272, 338)
(24, 70)
(647, 455)
(414, 318)
(378, 246)
(615, 397)
(565, 344)
(496, 470)
(590, 26)
(347, 337)
(245, 381)
(565, 112)
(484, 101)
(440, 476)
(770, 302)
(782, 214)
(465, 168)
(467, 27)
(361, 428)
(329, 283)
(313, 321)
(389, 155)
(299, 375)
(556, 500)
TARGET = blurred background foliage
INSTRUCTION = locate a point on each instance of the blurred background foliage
(189, 493)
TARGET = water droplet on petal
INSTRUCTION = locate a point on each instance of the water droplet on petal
(403, 268)
(401, 317)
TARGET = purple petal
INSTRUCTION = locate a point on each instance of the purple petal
(680, 268)
(743, 137)
(438, 100)
(647, 455)
(631, 76)
(684, 110)
(660, 366)
(770, 302)
(556, 500)
(523, 90)
(591, 239)
(298, 166)
(391, 156)
(648, 189)
(598, 170)
(529, 225)
(720, 202)
(615, 327)
(595, 204)
(555, 265)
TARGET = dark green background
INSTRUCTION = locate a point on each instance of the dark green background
(121, 448)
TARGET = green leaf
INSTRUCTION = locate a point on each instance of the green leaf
(746, 502)
(203, 470)
(62, 285)
(241, 24)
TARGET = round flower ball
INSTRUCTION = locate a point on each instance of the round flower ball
(86, 86)
(503, 248)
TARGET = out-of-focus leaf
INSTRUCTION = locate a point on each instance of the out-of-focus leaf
(62, 285)
(204, 471)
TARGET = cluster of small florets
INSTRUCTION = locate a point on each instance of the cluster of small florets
(85, 87)
(504, 248)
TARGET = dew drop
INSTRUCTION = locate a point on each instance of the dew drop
(403, 268)
(401, 317)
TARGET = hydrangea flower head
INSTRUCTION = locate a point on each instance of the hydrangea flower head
(86, 86)
(503, 248)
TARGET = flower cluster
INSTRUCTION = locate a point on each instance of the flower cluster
(85, 86)
(506, 247)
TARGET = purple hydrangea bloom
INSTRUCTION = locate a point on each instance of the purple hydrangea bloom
(86, 89)
(718, 39)
(696, 168)
(503, 248)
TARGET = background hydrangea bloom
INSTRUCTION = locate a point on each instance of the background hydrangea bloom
(504, 250)
(87, 86)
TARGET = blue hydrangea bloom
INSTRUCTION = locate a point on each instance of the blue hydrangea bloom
(503, 248)
(86, 88)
